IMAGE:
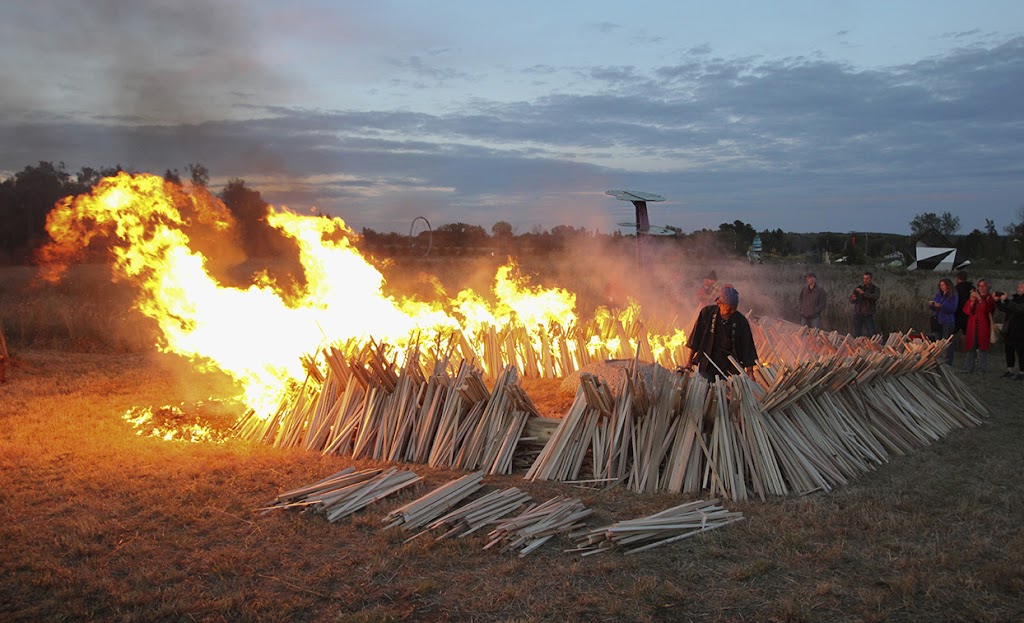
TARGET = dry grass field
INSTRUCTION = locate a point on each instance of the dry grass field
(98, 523)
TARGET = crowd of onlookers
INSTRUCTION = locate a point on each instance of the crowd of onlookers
(964, 313)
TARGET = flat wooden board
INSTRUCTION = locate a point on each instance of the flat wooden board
(633, 195)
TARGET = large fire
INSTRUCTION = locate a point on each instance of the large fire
(164, 237)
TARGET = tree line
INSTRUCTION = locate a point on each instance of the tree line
(28, 196)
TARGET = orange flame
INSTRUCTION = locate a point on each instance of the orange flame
(258, 334)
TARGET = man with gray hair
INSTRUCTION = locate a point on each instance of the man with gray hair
(813, 301)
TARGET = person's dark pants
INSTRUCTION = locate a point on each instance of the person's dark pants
(948, 330)
(1014, 355)
(863, 326)
(814, 323)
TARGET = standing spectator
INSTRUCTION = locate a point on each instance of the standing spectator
(979, 307)
(720, 332)
(1013, 331)
(963, 292)
(944, 307)
(864, 299)
(707, 294)
(812, 302)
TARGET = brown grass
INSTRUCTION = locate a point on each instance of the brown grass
(98, 523)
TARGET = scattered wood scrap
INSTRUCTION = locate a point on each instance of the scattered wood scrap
(482, 512)
(429, 507)
(538, 524)
(345, 492)
(668, 526)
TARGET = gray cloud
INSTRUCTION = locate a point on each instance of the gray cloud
(802, 144)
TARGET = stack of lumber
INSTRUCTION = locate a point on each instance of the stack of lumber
(821, 409)
(366, 406)
(345, 492)
(427, 508)
(538, 524)
(479, 513)
(840, 409)
(563, 455)
(668, 526)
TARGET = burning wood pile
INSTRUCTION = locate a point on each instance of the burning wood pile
(558, 352)
(822, 409)
(366, 406)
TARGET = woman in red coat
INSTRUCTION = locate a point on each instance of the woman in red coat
(979, 308)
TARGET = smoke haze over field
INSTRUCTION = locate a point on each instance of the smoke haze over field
(801, 117)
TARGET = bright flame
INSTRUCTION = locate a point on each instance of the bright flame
(170, 423)
(258, 334)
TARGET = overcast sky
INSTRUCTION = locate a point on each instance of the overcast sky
(804, 116)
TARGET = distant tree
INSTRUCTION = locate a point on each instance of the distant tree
(776, 242)
(737, 235)
(199, 174)
(502, 229)
(461, 235)
(566, 231)
(830, 244)
(990, 228)
(268, 249)
(1016, 229)
(25, 200)
(250, 212)
(88, 177)
(172, 176)
(946, 224)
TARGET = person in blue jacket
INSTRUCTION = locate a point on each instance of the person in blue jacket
(943, 308)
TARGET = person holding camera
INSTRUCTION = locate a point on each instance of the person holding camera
(944, 307)
(864, 298)
(1013, 330)
(979, 307)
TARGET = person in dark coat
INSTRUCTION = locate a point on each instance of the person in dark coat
(963, 292)
(863, 300)
(721, 331)
(813, 301)
(1013, 331)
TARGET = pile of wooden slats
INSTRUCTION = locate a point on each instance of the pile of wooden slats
(822, 409)
(538, 524)
(368, 407)
(428, 507)
(842, 408)
(668, 526)
(345, 492)
(484, 511)
(445, 512)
